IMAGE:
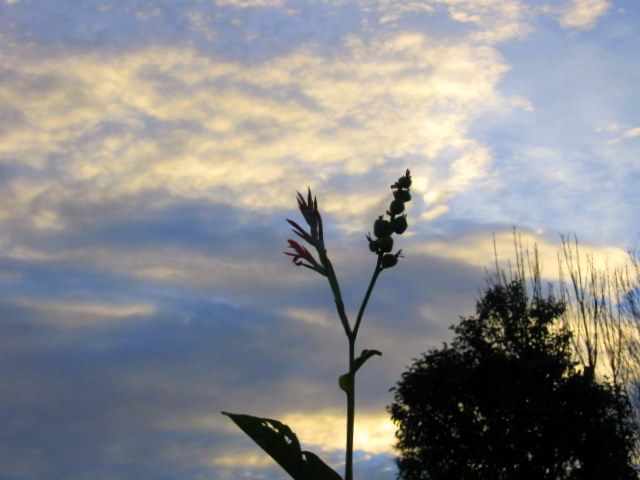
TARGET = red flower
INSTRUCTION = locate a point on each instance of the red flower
(301, 254)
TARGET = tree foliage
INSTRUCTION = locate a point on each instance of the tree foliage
(504, 401)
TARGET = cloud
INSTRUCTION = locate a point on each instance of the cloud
(251, 3)
(72, 314)
(319, 430)
(161, 119)
(478, 249)
(628, 134)
(632, 133)
(148, 157)
(310, 317)
(488, 21)
(325, 430)
(518, 101)
(583, 14)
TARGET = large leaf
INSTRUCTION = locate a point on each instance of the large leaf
(283, 446)
(317, 469)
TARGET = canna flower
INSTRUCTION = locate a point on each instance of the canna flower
(301, 255)
(309, 209)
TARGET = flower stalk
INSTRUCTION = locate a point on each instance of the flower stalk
(382, 246)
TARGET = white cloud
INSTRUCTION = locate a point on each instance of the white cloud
(491, 21)
(236, 134)
(374, 433)
(477, 249)
(632, 133)
(628, 134)
(583, 14)
(609, 127)
(81, 314)
(251, 3)
(323, 430)
(201, 24)
(518, 101)
(311, 317)
(239, 460)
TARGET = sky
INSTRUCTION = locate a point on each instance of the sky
(151, 150)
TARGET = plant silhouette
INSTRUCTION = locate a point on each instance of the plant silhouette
(276, 438)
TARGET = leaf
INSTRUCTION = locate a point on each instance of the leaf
(346, 381)
(283, 446)
(317, 469)
(364, 356)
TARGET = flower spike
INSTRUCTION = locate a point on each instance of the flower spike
(309, 209)
(298, 230)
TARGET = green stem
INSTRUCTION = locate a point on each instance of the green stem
(351, 336)
(365, 300)
(351, 392)
(351, 411)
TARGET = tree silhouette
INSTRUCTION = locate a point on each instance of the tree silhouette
(504, 401)
(603, 315)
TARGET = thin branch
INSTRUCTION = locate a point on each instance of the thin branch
(365, 300)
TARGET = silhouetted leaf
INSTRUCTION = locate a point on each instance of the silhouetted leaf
(317, 469)
(283, 446)
(345, 382)
(364, 356)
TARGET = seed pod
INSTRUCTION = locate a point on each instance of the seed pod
(400, 224)
(389, 260)
(386, 244)
(382, 227)
(396, 207)
(402, 195)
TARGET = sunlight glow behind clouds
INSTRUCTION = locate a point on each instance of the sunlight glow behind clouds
(375, 432)
(478, 249)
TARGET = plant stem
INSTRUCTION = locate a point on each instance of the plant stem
(351, 411)
(365, 300)
(335, 288)
(351, 336)
(351, 392)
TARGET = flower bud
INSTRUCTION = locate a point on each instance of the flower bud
(396, 207)
(400, 224)
(382, 228)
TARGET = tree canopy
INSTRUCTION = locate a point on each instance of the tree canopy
(504, 401)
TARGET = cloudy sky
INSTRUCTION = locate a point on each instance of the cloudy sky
(150, 151)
